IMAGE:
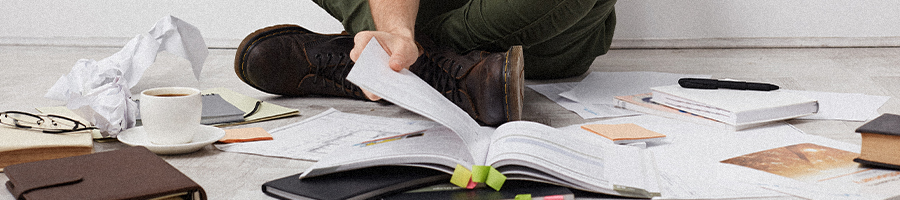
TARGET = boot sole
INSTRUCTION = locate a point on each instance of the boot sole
(252, 39)
(515, 83)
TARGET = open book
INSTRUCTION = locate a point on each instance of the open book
(520, 150)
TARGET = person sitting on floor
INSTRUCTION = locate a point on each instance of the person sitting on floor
(477, 53)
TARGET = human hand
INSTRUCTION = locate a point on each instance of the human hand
(401, 48)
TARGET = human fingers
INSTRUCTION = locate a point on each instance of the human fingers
(370, 96)
(404, 53)
(359, 43)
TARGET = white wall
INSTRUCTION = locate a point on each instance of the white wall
(689, 19)
(225, 22)
(220, 21)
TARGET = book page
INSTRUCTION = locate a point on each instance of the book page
(581, 158)
(371, 72)
(439, 147)
(315, 137)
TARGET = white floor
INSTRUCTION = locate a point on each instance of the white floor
(27, 72)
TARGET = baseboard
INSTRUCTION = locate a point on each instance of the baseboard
(712, 43)
(116, 42)
(737, 43)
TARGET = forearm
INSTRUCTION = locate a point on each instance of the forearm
(395, 16)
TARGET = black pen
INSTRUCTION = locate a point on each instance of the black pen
(702, 83)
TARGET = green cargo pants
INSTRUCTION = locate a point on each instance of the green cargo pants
(561, 38)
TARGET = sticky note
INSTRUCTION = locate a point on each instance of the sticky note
(523, 197)
(461, 176)
(245, 135)
(623, 133)
(480, 173)
(495, 179)
(555, 197)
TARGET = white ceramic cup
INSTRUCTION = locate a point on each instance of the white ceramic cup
(171, 115)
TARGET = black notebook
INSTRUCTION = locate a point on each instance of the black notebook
(216, 110)
(510, 190)
(365, 183)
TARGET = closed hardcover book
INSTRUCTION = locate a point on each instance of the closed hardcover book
(356, 184)
(130, 173)
(881, 142)
(736, 107)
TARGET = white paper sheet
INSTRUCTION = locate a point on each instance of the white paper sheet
(100, 90)
(602, 87)
(371, 71)
(593, 97)
(844, 106)
(586, 111)
(315, 137)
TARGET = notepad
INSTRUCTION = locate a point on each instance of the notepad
(624, 133)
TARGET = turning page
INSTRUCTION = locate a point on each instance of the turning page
(371, 72)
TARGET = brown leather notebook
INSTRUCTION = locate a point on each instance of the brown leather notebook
(130, 173)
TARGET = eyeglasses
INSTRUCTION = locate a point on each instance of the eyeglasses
(45, 123)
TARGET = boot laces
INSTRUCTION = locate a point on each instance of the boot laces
(438, 72)
(334, 67)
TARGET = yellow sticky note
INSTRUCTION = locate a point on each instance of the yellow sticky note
(523, 197)
(623, 133)
(461, 176)
(495, 179)
(480, 173)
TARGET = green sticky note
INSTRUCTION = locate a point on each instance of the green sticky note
(495, 179)
(523, 197)
(461, 176)
(480, 173)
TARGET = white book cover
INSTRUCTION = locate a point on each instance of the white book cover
(736, 107)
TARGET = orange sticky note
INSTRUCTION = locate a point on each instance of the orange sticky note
(245, 135)
(624, 133)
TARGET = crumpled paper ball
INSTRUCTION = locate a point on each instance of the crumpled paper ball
(99, 91)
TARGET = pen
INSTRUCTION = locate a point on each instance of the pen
(701, 83)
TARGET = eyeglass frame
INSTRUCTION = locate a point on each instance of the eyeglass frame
(42, 119)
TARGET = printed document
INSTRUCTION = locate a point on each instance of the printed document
(315, 137)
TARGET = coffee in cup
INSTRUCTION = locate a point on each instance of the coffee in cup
(171, 115)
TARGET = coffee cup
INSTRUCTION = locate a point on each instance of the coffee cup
(170, 115)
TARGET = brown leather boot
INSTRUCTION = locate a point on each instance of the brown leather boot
(488, 86)
(290, 60)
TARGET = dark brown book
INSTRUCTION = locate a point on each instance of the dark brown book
(881, 142)
(130, 173)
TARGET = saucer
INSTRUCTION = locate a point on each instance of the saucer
(137, 136)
